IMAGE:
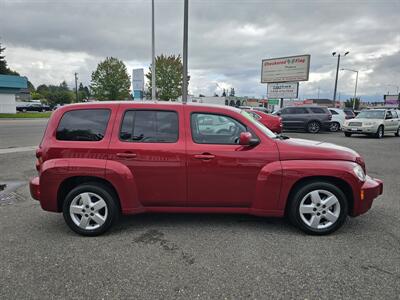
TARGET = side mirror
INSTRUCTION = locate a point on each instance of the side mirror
(278, 113)
(246, 139)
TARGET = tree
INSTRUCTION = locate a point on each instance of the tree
(110, 80)
(83, 91)
(232, 92)
(169, 77)
(3, 63)
(4, 69)
(349, 103)
(224, 93)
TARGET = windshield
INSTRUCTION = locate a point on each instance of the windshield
(371, 114)
(260, 126)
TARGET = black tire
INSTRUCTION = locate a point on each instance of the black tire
(111, 204)
(347, 134)
(380, 133)
(297, 197)
(397, 133)
(334, 127)
(313, 127)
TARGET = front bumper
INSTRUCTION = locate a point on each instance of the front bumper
(370, 190)
(34, 187)
(360, 129)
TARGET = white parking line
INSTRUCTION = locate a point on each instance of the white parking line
(18, 149)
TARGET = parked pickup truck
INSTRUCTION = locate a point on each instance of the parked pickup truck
(99, 160)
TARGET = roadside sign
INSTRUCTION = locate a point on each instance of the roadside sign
(273, 101)
(285, 69)
(287, 90)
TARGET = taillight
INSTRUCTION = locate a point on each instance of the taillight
(39, 157)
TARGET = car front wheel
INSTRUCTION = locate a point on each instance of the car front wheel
(380, 133)
(90, 209)
(347, 134)
(318, 208)
(397, 133)
(334, 127)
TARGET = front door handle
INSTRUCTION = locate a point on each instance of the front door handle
(126, 155)
(204, 156)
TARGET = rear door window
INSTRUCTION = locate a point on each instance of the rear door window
(150, 126)
(83, 125)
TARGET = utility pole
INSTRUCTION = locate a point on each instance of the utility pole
(153, 51)
(318, 92)
(76, 87)
(185, 52)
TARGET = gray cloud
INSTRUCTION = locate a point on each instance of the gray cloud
(227, 39)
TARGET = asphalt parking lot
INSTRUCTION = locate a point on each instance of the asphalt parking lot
(196, 256)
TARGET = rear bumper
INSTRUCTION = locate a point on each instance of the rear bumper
(34, 187)
(370, 190)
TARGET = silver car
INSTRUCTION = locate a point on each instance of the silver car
(374, 122)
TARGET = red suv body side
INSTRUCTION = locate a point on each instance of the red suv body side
(190, 177)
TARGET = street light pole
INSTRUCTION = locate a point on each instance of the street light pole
(355, 89)
(337, 75)
(153, 63)
(185, 52)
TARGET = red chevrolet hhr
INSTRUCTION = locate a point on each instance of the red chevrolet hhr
(99, 160)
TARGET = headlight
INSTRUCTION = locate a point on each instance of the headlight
(358, 170)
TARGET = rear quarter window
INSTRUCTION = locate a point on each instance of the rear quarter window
(318, 110)
(83, 125)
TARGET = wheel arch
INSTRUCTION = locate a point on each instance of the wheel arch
(340, 183)
(71, 182)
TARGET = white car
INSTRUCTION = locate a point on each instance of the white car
(338, 118)
(374, 122)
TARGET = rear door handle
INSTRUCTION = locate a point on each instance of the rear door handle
(126, 155)
(204, 156)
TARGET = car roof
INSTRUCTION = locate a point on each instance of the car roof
(99, 104)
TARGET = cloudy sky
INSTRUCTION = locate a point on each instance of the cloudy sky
(50, 40)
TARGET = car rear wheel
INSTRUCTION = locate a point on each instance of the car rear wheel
(318, 208)
(334, 127)
(347, 134)
(313, 127)
(380, 132)
(90, 209)
(397, 133)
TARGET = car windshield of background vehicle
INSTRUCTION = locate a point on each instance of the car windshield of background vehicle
(260, 126)
(371, 114)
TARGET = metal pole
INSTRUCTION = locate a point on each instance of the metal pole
(336, 80)
(355, 92)
(185, 52)
(153, 63)
(76, 87)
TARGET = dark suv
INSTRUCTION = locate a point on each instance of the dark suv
(310, 118)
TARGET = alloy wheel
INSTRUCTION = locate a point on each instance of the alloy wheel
(334, 126)
(313, 127)
(88, 211)
(319, 209)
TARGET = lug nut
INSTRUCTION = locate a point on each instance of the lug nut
(324, 212)
(314, 209)
(92, 208)
(318, 214)
(86, 215)
(318, 204)
(323, 206)
(87, 206)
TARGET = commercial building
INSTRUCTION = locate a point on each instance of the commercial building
(10, 85)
